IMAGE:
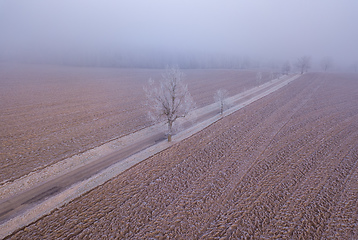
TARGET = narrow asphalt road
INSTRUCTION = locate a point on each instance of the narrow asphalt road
(17, 204)
(22, 201)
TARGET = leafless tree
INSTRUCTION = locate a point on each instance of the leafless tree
(258, 78)
(303, 63)
(326, 63)
(286, 68)
(272, 75)
(220, 98)
(169, 100)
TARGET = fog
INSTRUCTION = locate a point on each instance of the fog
(262, 31)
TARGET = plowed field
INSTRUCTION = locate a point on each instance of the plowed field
(51, 113)
(284, 167)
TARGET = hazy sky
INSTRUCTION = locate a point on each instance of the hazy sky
(278, 29)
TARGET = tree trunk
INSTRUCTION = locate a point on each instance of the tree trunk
(170, 125)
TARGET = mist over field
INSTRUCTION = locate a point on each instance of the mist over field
(200, 33)
(178, 119)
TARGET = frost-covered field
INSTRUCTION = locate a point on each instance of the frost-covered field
(284, 167)
(51, 113)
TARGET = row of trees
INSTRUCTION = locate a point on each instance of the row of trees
(170, 99)
(303, 64)
(132, 59)
(157, 59)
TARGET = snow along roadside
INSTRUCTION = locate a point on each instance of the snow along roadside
(38, 176)
(80, 188)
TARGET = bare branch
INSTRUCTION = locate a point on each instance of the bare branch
(170, 100)
(326, 63)
(286, 68)
(303, 64)
(258, 78)
(220, 98)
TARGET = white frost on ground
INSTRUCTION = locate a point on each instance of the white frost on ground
(39, 176)
(10, 188)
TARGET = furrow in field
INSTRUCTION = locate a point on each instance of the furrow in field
(282, 167)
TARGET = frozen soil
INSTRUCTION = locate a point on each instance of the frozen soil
(48, 114)
(284, 167)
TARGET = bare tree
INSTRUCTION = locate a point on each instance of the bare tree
(303, 63)
(272, 75)
(286, 68)
(258, 78)
(170, 100)
(220, 98)
(326, 63)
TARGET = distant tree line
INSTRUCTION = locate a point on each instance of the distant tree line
(129, 59)
(161, 59)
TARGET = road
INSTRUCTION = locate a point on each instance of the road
(23, 201)
(15, 205)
